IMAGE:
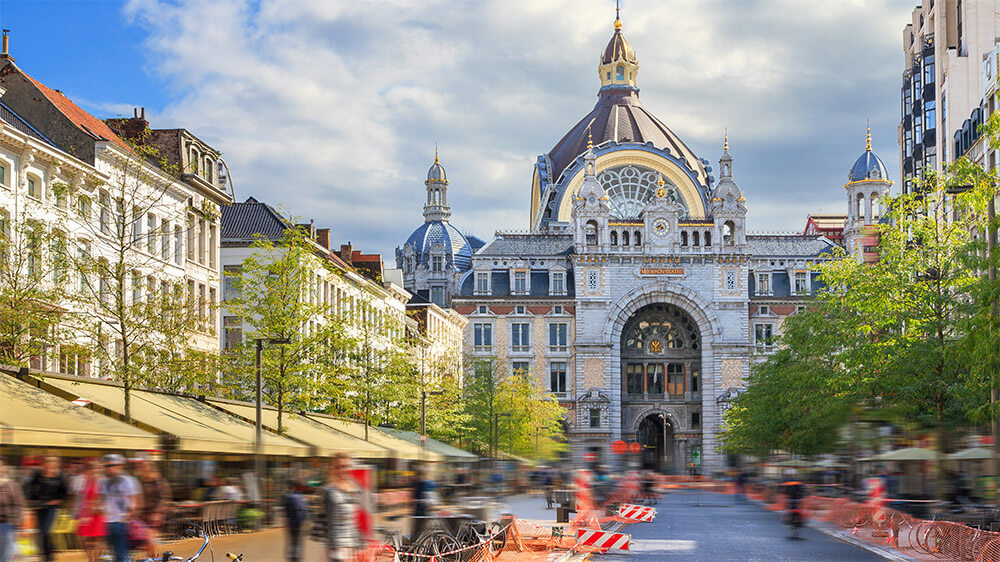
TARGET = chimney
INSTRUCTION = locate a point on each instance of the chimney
(5, 52)
(345, 252)
(323, 237)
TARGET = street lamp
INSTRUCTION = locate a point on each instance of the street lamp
(423, 414)
(258, 464)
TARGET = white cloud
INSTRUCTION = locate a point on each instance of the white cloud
(332, 108)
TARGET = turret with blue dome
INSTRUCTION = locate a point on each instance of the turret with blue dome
(867, 186)
(437, 253)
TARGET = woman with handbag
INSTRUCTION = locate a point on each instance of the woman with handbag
(87, 512)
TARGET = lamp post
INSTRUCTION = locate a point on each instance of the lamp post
(258, 461)
(423, 415)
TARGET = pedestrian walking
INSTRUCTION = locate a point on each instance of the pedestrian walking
(11, 513)
(341, 500)
(87, 509)
(122, 502)
(47, 490)
(155, 495)
(296, 512)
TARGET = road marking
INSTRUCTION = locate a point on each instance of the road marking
(641, 545)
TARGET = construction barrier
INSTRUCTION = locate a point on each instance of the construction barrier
(637, 512)
(602, 539)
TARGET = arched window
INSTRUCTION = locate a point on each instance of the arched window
(728, 233)
(193, 160)
(625, 238)
(638, 238)
(861, 206)
(208, 170)
(590, 231)
(694, 238)
(620, 73)
(614, 237)
(708, 238)
(876, 206)
(684, 238)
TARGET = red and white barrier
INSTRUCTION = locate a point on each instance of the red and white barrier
(637, 512)
(602, 539)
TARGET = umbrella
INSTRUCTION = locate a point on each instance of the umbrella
(972, 454)
(830, 463)
(908, 454)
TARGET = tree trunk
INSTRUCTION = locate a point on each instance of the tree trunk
(941, 447)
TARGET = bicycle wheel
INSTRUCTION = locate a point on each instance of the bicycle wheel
(499, 533)
(441, 546)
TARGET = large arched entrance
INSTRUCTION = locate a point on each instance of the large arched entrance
(661, 370)
(656, 436)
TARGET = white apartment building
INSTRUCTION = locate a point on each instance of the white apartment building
(60, 166)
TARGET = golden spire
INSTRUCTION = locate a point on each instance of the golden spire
(618, 19)
(590, 139)
(868, 143)
(659, 180)
(436, 153)
(725, 142)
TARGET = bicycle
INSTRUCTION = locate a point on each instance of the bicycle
(168, 556)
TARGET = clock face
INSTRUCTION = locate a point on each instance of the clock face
(661, 227)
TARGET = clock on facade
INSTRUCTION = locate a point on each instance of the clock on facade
(660, 227)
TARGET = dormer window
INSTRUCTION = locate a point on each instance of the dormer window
(620, 72)
(483, 309)
(483, 283)
(557, 283)
(519, 285)
(437, 263)
(520, 310)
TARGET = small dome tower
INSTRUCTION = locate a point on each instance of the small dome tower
(619, 65)
(436, 208)
(867, 182)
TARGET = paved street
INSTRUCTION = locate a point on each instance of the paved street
(709, 526)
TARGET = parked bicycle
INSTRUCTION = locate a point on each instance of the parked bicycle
(168, 556)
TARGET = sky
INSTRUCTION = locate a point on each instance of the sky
(330, 110)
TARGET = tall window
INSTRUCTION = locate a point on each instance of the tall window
(3, 175)
(520, 337)
(104, 202)
(557, 376)
(763, 283)
(929, 114)
(212, 245)
(595, 418)
(192, 227)
(202, 245)
(590, 233)
(151, 233)
(764, 337)
(165, 240)
(520, 281)
(230, 282)
(558, 283)
(483, 282)
(557, 336)
(675, 378)
(60, 258)
(801, 282)
(634, 374)
(437, 263)
(620, 73)
(482, 337)
(654, 378)
(136, 287)
(437, 295)
(178, 246)
(33, 188)
(520, 368)
(83, 257)
(232, 328)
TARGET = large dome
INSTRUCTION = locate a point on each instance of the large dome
(457, 248)
(620, 117)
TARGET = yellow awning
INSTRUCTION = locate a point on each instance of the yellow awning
(199, 427)
(400, 448)
(323, 438)
(31, 417)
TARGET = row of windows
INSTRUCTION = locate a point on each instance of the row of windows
(519, 310)
(520, 337)
(800, 283)
(647, 379)
(520, 282)
(558, 370)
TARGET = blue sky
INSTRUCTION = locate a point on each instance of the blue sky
(330, 109)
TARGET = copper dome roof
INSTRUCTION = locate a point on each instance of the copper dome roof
(620, 117)
(618, 48)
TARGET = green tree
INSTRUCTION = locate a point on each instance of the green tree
(508, 411)
(277, 301)
(132, 311)
(31, 303)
